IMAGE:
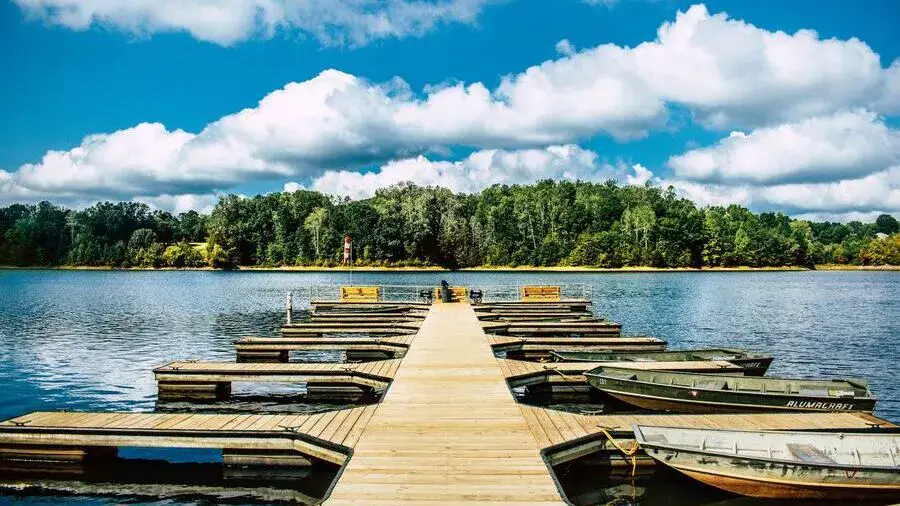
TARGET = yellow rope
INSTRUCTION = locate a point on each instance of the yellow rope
(628, 452)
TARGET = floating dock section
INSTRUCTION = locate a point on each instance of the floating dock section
(210, 381)
(54, 438)
(448, 430)
(539, 348)
(277, 349)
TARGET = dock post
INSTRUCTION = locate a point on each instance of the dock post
(290, 306)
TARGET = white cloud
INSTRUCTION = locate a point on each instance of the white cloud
(872, 194)
(353, 22)
(641, 175)
(864, 217)
(146, 160)
(843, 145)
(291, 187)
(182, 203)
(725, 71)
(565, 48)
(474, 173)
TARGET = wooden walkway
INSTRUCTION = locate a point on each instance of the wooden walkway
(449, 430)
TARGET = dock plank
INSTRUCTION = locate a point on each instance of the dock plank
(448, 429)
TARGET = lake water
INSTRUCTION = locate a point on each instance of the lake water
(87, 340)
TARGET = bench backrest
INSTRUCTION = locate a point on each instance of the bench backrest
(540, 293)
(359, 294)
(457, 293)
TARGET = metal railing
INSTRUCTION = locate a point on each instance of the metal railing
(386, 293)
(411, 293)
(499, 293)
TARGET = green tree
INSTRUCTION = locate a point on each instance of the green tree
(886, 224)
(313, 224)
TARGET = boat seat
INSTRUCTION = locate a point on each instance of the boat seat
(712, 384)
(809, 453)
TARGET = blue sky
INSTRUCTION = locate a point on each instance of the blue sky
(384, 92)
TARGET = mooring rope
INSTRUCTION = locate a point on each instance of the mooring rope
(628, 452)
(557, 371)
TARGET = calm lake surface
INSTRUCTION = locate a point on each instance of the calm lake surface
(88, 340)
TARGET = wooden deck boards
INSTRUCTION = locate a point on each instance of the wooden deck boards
(565, 436)
(376, 374)
(329, 436)
(448, 430)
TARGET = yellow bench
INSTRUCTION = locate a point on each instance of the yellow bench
(457, 293)
(540, 293)
(359, 294)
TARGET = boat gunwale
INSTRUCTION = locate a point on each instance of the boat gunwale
(746, 354)
(869, 396)
(639, 438)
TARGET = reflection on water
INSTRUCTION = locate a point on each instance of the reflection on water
(165, 482)
(89, 340)
(588, 484)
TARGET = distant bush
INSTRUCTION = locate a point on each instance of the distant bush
(183, 255)
(217, 258)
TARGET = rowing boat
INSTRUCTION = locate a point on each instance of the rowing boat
(781, 465)
(710, 393)
(753, 364)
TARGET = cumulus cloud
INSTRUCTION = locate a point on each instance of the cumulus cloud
(640, 177)
(565, 47)
(842, 145)
(471, 174)
(293, 186)
(791, 91)
(871, 194)
(182, 203)
(353, 22)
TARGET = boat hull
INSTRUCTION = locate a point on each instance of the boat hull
(686, 400)
(769, 480)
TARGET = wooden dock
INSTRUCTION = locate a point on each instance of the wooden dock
(566, 436)
(543, 328)
(245, 439)
(448, 430)
(277, 349)
(211, 381)
(539, 347)
(315, 329)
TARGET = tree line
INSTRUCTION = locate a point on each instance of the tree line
(548, 223)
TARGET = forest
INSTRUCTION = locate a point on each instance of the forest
(549, 223)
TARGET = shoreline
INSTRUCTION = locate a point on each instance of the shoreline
(560, 269)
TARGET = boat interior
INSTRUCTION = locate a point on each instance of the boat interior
(829, 449)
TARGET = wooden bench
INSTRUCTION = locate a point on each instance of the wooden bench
(457, 293)
(540, 293)
(359, 294)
